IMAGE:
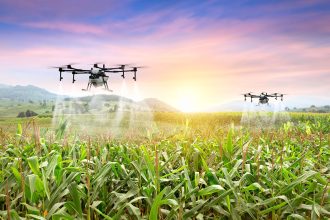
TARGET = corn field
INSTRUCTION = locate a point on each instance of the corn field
(225, 173)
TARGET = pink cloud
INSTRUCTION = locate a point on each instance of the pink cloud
(77, 28)
(216, 58)
(21, 10)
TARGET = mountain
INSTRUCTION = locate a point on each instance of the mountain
(106, 102)
(25, 93)
(153, 103)
(313, 108)
(4, 86)
(15, 99)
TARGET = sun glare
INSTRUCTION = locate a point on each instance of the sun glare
(187, 101)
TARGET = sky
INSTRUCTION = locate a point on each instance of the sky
(198, 53)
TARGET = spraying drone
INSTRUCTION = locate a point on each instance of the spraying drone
(263, 97)
(97, 74)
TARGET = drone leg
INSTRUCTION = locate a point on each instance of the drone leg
(107, 87)
(86, 88)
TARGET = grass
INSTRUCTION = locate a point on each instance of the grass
(196, 166)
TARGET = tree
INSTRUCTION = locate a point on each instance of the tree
(21, 115)
(29, 113)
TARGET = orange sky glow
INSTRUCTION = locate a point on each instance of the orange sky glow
(194, 61)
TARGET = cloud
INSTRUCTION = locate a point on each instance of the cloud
(76, 28)
(215, 57)
(40, 10)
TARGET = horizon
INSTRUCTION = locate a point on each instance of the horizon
(199, 54)
(237, 105)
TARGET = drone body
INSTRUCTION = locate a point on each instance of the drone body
(263, 97)
(97, 74)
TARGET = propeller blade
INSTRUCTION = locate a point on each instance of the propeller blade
(139, 67)
(54, 67)
(69, 65)
(96, 64)
(125, 64)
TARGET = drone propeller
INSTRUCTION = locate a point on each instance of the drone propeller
(122, 66)
(246, 94)
(96, 65)
(69, 65)
(55, 67)
(139, 67)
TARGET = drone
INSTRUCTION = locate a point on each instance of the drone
(263, 97)
(98, 74)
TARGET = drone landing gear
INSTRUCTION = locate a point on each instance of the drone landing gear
(89, 85)
(106, 87)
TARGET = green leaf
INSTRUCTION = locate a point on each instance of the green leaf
(156, 204)
(19, 130)
(31, 209)
(36, 216)
(34, 165)
(75, 195)
(253, 186)
(210, 190)
(297, 181)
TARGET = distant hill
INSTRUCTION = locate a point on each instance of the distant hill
(16, 99)
(104, 102)
(25, 93)
(153, 103)
(293, 104)
(108, 98)
(312, 108)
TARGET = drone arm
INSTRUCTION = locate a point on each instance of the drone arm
(272, 95)
(110, 69)
(73, 79)
(252, 96)
(113, 71)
